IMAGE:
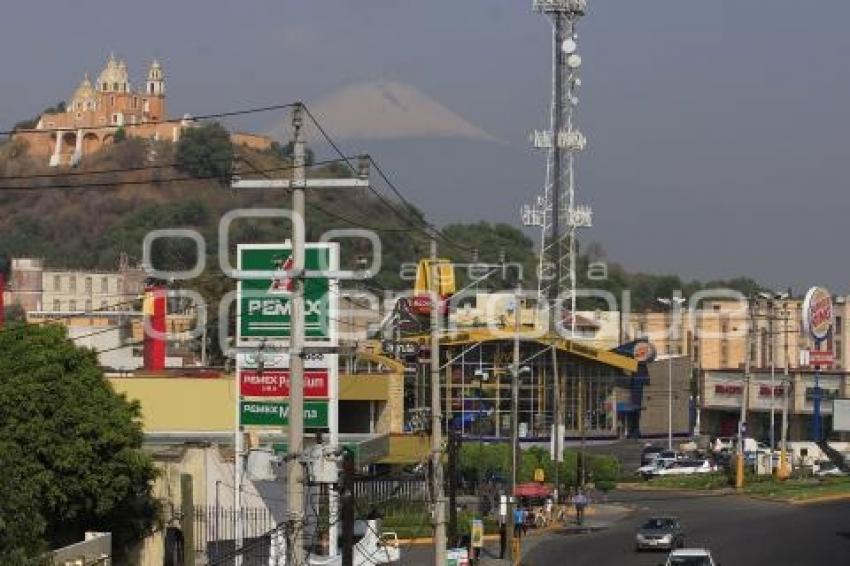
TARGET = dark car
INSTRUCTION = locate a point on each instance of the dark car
(660, 533)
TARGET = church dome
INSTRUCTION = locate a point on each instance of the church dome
(84, 96)
(114, 77)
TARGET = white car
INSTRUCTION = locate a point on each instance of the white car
(690, 557)
(663, 460)
(685, 467)
(827, 469)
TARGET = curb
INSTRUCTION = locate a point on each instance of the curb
(821, 499)
(430, 540)
(590, 511)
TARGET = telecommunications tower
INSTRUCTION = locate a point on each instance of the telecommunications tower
(556, 212)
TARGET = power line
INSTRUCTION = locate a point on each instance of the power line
(429, 230)
(172, 179)
(335, 215)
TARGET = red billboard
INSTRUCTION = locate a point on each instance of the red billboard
(275, 383)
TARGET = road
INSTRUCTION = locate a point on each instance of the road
(739, 531)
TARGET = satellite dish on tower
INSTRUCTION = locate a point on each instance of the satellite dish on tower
(569, 46)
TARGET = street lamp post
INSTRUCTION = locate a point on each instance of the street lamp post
(771, 298)
(674, 303)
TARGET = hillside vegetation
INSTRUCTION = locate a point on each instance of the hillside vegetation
(86, 217)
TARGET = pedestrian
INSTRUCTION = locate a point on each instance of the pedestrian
(518, 519)
(580, 501)
(525, 521)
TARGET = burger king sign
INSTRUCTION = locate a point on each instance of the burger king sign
(817, 313)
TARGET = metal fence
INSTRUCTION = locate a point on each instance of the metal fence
(387, 489)
(215, 534)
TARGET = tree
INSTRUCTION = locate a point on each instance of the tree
(120, 135)
(285, 152)
(33, 122)
(71, 446)
(206, 152)
(15, 314)
(494, 241)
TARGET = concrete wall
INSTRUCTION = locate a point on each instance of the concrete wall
(654, 417)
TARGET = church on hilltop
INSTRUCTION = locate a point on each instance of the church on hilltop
(95, 112)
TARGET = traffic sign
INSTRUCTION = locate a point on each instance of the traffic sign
(264, 307)
(817, 358)
(275, 383)
(276, 413)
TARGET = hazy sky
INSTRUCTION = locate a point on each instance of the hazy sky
(717, 130)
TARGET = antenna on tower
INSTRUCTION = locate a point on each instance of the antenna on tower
(556, 212)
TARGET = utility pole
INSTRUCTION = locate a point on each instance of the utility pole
(770, 316)
(745, 394)
(294, 472)
(204, 337)
(454, 439)
(557, 436)
(674, 303)
(515, 452)
(440, 541)
(295, 430)
(786, 386)
(347, 508)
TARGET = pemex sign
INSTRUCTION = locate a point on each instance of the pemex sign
(264, 308)
(276, 413)
(264, 314)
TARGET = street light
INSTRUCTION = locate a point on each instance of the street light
(771, 298)
(673, 303)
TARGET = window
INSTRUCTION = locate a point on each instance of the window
(88, 305)
(57, 305)
(115, 118)
(72, 284)
(104, 285)
(104, 305)
(72, 306)
(88, 285)
(838, 325)
(112, 100)
(115, 86)
(105, 86)
(57, 283)
(146, 105)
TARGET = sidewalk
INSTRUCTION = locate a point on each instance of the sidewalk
(597, 517)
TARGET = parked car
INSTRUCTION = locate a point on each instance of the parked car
(691, 557)
(661, 462)
(660, 533)
(825, 468)
(668, 456)
(685, 467)
(723, 443)
(649, 454)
